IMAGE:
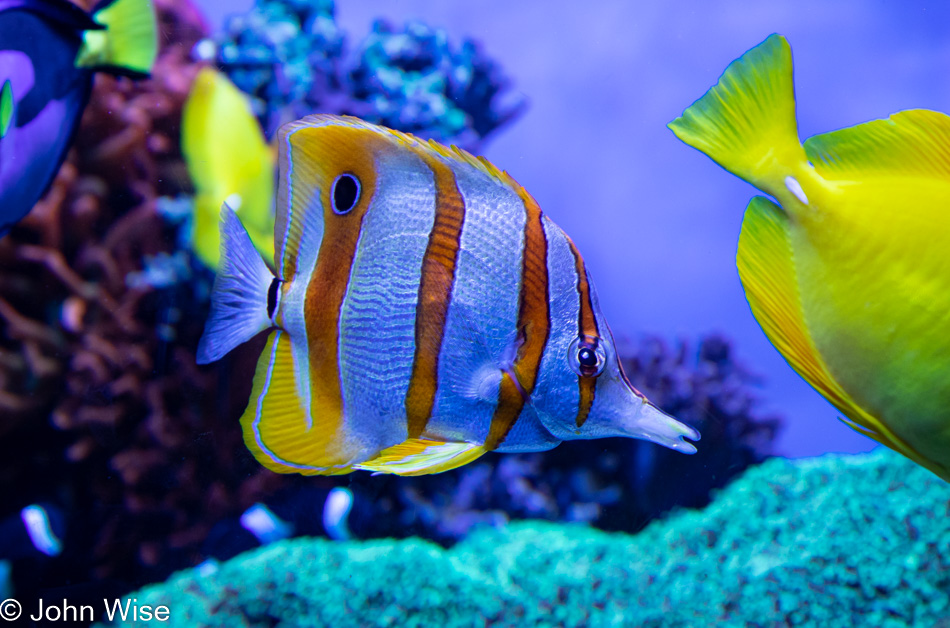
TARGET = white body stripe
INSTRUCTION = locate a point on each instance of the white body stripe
(377, 321)
(480, 329)
(557, 383)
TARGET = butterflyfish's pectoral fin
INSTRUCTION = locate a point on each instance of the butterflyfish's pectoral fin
(418, 456)
(278, 429)
(6, 108)
(912, 142)
(127, 44)
(767, 271)
(746, 122)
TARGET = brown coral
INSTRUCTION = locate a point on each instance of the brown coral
(101, 404)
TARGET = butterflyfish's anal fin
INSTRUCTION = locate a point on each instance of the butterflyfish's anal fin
(229, 161)
(240, 307)
(6, 108)
(127, 44)
(418, 456)
(278, 428)
(766, 268)
(914, 143)
(746, 122)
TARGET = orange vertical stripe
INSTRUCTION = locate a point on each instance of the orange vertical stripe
(340, 150)
(435, 293)
(533, 327)
(587, 326)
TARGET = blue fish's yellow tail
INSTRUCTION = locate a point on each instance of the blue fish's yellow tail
(746, 122)
(128, 42)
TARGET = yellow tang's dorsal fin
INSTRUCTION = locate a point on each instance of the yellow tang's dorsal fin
(768, 275)
(913, 142)
(418, 456)
(277, 428)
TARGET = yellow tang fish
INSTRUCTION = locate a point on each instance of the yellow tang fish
(229, 162)
(849, 275)
(422, 312)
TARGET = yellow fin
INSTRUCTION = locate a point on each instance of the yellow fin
(229, 162)
(277, 428)
(914, 142)
(129, 40)
(418, 456)
(766, 267)
(6, 108)
(746, 122)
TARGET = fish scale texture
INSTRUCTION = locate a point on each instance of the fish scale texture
(830, 541)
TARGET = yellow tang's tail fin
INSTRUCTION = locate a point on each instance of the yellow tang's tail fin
(229, 162)
(746, 122)
(129, 41)
(6, 108)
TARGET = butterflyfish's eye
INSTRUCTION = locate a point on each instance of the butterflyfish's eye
(587, 356)
(345, 193)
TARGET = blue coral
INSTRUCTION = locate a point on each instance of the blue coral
(289, 55)
(833, 541)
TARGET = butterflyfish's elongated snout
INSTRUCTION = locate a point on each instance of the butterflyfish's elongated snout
(650, 423)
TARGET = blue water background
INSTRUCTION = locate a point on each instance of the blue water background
(657, 221)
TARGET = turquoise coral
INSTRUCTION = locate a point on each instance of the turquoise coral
(837, 540)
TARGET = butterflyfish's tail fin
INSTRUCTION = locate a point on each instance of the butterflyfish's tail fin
(6, 108)
(746, 122)
(417, 456)
(768, 275)
(245, 293)
(128, 44)
(229, 161)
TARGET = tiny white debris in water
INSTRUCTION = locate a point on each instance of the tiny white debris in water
(796, 188)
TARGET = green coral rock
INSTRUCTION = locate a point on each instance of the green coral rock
(837, 540)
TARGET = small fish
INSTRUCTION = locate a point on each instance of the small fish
(849, 274)
(422, 311)
(230, 162)
(49, 51)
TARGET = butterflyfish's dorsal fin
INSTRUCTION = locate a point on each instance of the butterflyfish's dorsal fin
(308, 149)
(6, 108)
(418, 456)
(768, 275)
(914, 142)
(127, 44)
(746, 122)
(282, 434)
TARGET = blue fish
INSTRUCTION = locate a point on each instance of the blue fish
(422, 311)
(49, 52)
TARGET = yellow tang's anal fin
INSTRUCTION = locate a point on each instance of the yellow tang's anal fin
(914, 142)
(129, 40)
(418, 456)
(6, 108)
(276, 426)
(766, 267)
